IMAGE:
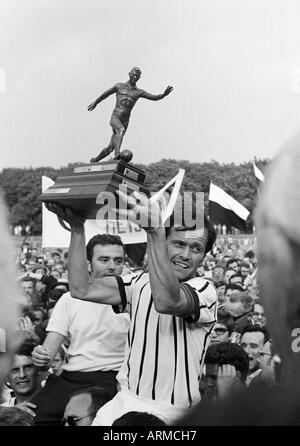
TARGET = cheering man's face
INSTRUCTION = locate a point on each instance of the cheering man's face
(186, 250)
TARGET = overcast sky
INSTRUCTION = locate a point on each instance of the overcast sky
(234, 65)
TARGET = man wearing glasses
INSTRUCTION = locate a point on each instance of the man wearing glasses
(83, 406)
(223, 328)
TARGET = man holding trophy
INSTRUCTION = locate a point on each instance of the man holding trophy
(172, 312)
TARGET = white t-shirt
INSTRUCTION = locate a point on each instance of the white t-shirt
(97, 335)
(164, 358)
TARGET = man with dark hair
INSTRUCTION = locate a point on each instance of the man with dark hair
(223, 327)
(96, 334)
(83, 406)
(233, 264)
(102, 240)
(232, 287)
(172, 312)
(244, 270)
(28, 287)
(252, 341)
(221, 379)
(258, 317)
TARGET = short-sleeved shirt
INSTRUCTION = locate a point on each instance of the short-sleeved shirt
(97, 335)
(164, 354)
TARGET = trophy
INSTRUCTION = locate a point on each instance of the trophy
(83, 188)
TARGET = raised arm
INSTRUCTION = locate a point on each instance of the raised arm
(156, 97)
(168, 296)
(82, 285)
(103, 96)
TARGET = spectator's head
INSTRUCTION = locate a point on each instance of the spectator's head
(30, 265)
(135, 418)
(244, 269)
(56, 256)
(223, 328)
(188, 246)
(28, 286)
(221, 291)
(83, 406)
(233, 264)
(136, 254)
(218, 273)
(13, 416)
(232, 288)
(23, 376)
(40, 260)
(258, 317)
(56, 291)
(249, 257)
(201, 271)
(58, 361)
(60, 267)
(222, 354)
(105, 254)
(54, 273)
(41, 269)
(252, 341)
(236, 279)
(267, 362)
(39, 317)
(228, 273)
(238, 303)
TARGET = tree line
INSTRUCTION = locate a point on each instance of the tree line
(22, 187)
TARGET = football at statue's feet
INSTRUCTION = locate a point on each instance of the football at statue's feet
(126, 155)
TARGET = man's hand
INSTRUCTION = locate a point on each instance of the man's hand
(67, 214)
(41, 356)
(27, 407)
(139, 209)
(227, 380)
(168, 90)
(92, 106)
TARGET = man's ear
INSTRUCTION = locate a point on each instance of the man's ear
(89, 265)
(238, 374)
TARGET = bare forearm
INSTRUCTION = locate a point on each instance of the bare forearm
(164, 284)
(78, 272)
(53, 341)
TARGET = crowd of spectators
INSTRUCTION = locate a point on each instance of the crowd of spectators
(241, 353)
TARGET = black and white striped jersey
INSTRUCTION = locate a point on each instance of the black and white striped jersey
(164, 354)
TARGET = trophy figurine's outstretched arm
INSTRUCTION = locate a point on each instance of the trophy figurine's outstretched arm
(157, 97)
(103, 96)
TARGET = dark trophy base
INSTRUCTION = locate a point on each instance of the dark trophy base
(80, 191)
